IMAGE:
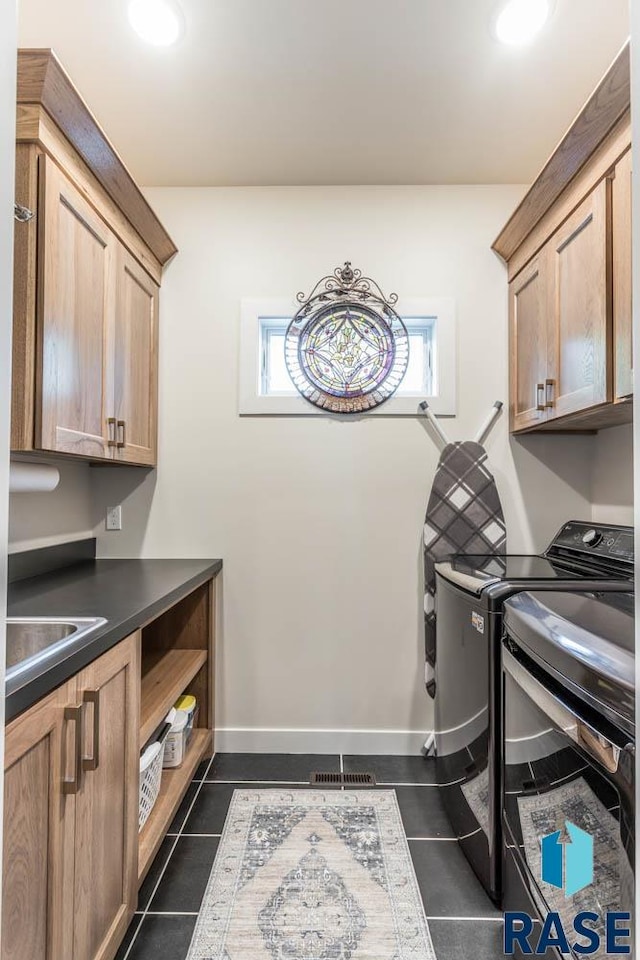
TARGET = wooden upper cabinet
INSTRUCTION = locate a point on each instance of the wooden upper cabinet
(86, 282)
(622, 278)
(39, 811)
(580, 323)
(567, 247)
(106, 823)
(76, 257)
(529, 298)
(136, 362)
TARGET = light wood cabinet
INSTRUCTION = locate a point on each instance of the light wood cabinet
(135, 362)
(560, 336)
(74, 857)
(529, 303)
(86, 283)
(580, 323)
(622, 278)
(76, 281)
(95, 376)
(568, 251)
(71, 815)
(106, 822)
(39, 813)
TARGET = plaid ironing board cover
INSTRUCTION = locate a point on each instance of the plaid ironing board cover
(464, 515)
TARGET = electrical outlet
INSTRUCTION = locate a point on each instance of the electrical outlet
(114, 518)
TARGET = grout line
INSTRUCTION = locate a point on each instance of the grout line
(135, 936)
(171, 913)
(475, 919)
(434, 839)
(200, 835)
(305, 783)
(146, 909)
(279, 783)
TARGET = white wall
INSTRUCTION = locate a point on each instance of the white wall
(318, 521)
(42, 519)
(612, 475)
(7, 155)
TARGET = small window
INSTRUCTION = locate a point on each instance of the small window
(275, 381)
(266, 387)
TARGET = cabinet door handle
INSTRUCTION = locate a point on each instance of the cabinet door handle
(22, 214)
(122, 428)
(549, 387)
(111, 431)
(72, 784)
(92, 762)
(540, 396)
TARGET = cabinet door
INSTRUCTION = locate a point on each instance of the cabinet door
(529, 305)
(106, 833)
(579, 375)
(136, 362)
(622, 306)
(75, 290)
(41, 771)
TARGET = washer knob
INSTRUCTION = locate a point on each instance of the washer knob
(592, 538)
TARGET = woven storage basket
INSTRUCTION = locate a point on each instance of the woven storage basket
(150, 778)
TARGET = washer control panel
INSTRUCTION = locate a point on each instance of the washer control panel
(603, 540)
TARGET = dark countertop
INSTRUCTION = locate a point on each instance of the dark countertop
(127, 593)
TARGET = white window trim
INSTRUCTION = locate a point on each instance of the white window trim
(253, 403)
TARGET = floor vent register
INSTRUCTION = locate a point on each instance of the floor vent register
(342, 780)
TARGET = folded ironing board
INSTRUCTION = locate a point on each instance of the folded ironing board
(464, 515)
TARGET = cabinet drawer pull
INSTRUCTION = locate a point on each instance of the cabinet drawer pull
(92, 762)
(549, 387)
(111, 431)
(122, 428)
(540, 396)
(72, 784)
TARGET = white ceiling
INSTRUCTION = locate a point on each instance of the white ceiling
(331, 91)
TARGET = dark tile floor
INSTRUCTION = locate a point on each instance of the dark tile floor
(464, 923)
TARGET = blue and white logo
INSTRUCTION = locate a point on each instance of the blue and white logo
(567, 860)
(567, 863)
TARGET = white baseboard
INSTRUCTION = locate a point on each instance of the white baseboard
(262, 740)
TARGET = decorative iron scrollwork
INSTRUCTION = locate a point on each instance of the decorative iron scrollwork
(347, 282)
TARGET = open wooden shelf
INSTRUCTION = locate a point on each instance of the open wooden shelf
(165, 675)
(173, 788)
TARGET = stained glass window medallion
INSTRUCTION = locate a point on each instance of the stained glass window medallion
(346, 348)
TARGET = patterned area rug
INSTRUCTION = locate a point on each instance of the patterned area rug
(312, 875)
(612, 887)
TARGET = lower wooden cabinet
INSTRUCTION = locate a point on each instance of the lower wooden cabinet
(71, 815)
(39, 814)
(106, 822)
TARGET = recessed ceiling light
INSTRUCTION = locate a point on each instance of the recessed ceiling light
(521, 20)
(158, 22)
